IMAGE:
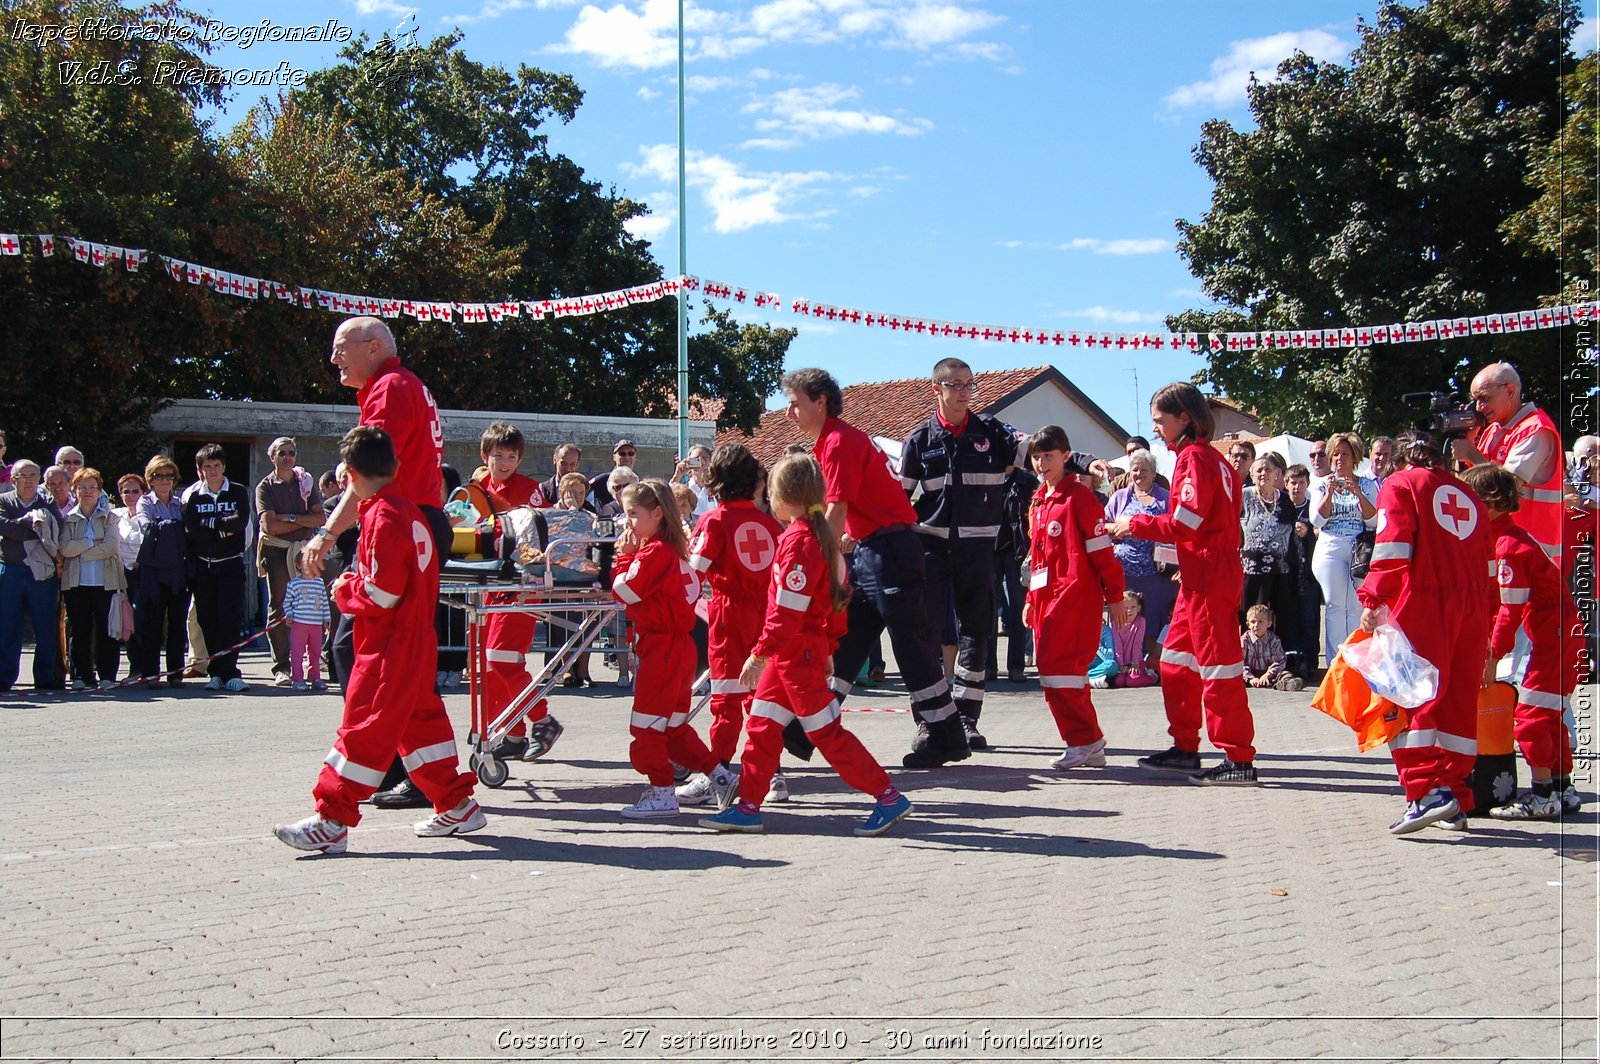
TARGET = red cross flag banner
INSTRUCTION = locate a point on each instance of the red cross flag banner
(47, 245)
(10, 244)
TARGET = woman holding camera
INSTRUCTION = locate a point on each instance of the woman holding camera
(1342, 508)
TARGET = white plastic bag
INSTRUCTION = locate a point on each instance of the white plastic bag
(1392, 668)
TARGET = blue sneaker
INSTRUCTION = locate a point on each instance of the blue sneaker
(1436, 805)
(734, 819)
(885, 817)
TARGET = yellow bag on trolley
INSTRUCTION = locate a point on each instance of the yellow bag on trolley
(1346, 697)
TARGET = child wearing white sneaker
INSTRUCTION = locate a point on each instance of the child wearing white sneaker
(654, 581)
(390, 702)
(804, 618)
(305, 607)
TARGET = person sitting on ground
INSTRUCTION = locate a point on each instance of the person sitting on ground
(1264, 658)
(1127, 644)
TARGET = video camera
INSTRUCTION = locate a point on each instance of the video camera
(1445, 415)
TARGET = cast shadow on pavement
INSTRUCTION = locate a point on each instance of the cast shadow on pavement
(929, 835)
(1574, 845)
(487, 847)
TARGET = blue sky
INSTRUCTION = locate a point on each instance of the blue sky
(1013, 162)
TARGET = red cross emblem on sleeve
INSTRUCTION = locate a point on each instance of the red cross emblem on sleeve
(755, 547)
(1455, 514)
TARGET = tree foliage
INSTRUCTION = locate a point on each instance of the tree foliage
(1375, 193)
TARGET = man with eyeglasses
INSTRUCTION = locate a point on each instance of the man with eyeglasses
(959, 461)
(290, 509)
(624, 454)
(1523, 439)
(29, 530)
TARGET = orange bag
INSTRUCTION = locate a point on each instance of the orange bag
(1345, 696)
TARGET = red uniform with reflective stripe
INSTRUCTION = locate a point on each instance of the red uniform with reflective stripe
(1432, 566)
(733, 549)
(659, 590)
(1534, 596)
(1542, 504)
(797, 637)
(858, 474)
(390, 703)
(394, 399)
(518, 490)
(1075, 573)
(1202, 660)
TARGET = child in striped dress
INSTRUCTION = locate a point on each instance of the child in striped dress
(305, 607)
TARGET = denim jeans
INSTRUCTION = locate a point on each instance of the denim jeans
(19, 591)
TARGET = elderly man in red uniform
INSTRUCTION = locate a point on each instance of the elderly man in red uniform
(392, 398)
(1521, 438)
(878, 531)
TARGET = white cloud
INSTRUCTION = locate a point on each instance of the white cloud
(1152, 246)
(624, 36)
(702, 83)
(646, 93)
(1586, 38)
(812, 113)
(491, 9)
(930, 25)
(1111, 314)
(739, 199)
(1230, 73)
(650, 226)
(383, 7)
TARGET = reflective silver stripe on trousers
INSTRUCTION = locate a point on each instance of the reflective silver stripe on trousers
(1514, 596)
(978, 531)
(841, 687)
(772, 711)
(1390, 551)
(1413, 739)
(1542, 700)
(1179, 658)
(962, 693)
(970, 675)
(437, 752)
(1068, 682)
(379, 595)
(791, 600)
(367, 777)
(1221, 672)
(1097, 543)
(727, 687)
(677, 720)
(821, 718)
(647, 722)
(1540, 494)
(933, 716)
(624, 592)
(1187, 517)
(928, 694)
(506, 657)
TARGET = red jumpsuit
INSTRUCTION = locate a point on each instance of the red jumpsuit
(659, 590)
(507, 636)
(390, 704)
(1202, 661)
(1534, 596)
(394, 399)
(733, 550)
(1432, 566)
(797, 638)
(1075, 573)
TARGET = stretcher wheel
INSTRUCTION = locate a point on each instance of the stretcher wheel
(491, 771)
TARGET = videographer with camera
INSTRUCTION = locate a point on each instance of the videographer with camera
(1522, 439)
(1342, 510)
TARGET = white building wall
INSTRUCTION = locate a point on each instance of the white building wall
(1050, 405)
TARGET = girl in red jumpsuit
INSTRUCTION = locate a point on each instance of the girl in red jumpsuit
(1202, 660)
(1074, 574)
(792, 660)
(1535, 597)
(659, 589)
(1431, 577)
(733, 550)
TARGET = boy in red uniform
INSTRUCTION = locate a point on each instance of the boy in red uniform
(390, 704)
(1202, 660)
(1431, 577)
(659, 589)
(1534, 597)
(507, 636)
(1075, 573)
(791, 663)
(733, 549)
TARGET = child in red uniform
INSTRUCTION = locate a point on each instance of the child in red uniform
(659, 589)
(733, 550)
(390, 704)
(507, 636)
(806, 598)
(1202, 658)
(1533, 597)
(1075, 573)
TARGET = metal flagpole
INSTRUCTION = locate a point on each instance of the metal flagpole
(683, 264)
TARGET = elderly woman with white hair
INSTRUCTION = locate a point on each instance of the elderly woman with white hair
(1144, 574)
(30, 529)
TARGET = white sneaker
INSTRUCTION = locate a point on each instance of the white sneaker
(316, 834)
(214, 684)
(281, 679)
(468, 816)
(1093, 755)
(724, 785)
(236, 685)
(656, 803)
(1452, 823)
(1571, 800)
(696, 790)
(1530, 807)
(778, 790)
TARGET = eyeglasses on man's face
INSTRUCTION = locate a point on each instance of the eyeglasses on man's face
(959, 386)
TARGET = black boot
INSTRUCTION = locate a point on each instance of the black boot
(975, 739)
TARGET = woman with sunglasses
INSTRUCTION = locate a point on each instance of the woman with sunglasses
(163, 587)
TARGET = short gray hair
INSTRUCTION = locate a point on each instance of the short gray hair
(620, 477)
(1142, 455)
(26, 463)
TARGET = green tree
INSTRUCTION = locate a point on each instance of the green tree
(1376, 193)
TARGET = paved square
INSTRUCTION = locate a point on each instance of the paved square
(1020, 913)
